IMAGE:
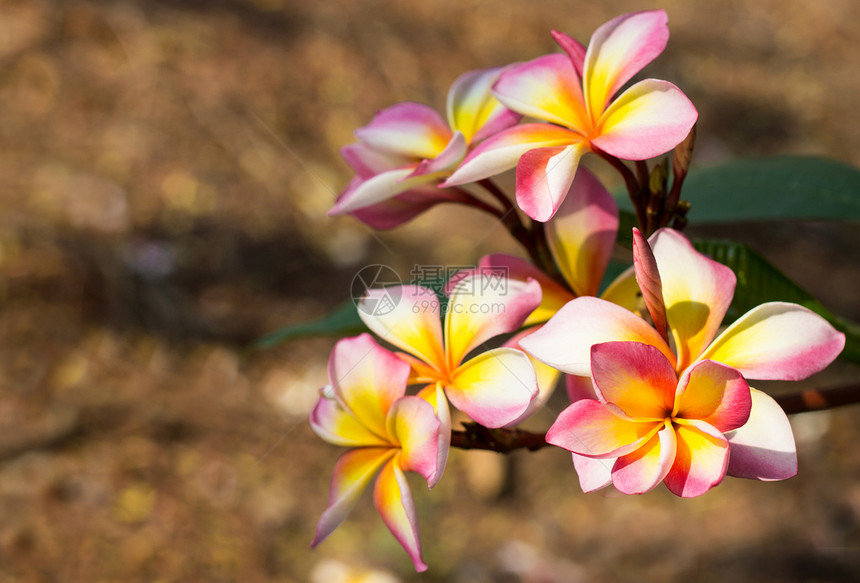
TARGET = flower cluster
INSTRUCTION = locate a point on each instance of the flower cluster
(659, 391)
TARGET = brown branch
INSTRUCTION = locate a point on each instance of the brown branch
(503, 440)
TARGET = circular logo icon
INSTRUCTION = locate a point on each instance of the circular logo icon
(385, 284)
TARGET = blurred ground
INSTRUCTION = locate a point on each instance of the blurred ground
(165, 171)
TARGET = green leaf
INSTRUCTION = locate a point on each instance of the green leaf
(759, 282)
(626, 222)
(343, 321)
(777, 188)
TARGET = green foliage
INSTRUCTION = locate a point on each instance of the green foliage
(342, 321)
(759, 282)
(777, 188)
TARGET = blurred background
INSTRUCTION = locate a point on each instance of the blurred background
(165, 171)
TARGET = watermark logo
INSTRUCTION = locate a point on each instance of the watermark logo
(380, 277)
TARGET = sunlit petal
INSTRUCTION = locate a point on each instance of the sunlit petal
(393, 500)
(502, 151)
(763, 449)
(413, 425)
(546, 88)
(547, 378)
(645, 121)
(641, 470)
(575, 50)
(553, 295)
(334, 424)
(474, 110)
(594, 429)
(434, 395)
(565, 341)
(494, 388)
(618, 50)
(408, 317)
(578, 388)
(714, 393)
(778, 341)
(352, 473)
(624, 291)
(594, 473)
(407, 129)
(701, 460)
(634, 376)
(367, 379)
(697, 292)
(544, 179)
(482, 306)
(367, 161)
(582, 233)
(446, 161)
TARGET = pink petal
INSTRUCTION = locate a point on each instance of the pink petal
(393, 500)
(379, 188)
(575, 50)
(701, 460)
(544, 177)
(594, 473)
(648, 278)
(366, 380)
(412, 423)
(434, 395)
(593, 429)
(645, 121)
(714, 393)
(763, 449)
(501, 151)
(352, 473)
(494, 388)
(582, 233)
(553, 295)
(547, 378)
(482, 306)
(778, 341)
(408, 317)
(546, 88)
(367, 161)
(404, 207)
(474, 110)
(407, 129)
(446, 161)
(565, 341)
(697, 292)
(641, 470)
(624, 291)
(634, 376)
(618, 50)
(334, 424)
(579, 388)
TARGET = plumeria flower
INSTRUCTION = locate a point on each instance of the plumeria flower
(647, 426)
(493, 387)
(408, 148)
(580, 238)
(574, 93)
(687, 295)
(365, 408)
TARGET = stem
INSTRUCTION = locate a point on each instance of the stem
(503, 440)
(635, 189)
(470, 199)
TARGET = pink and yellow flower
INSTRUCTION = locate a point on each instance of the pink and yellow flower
(493, 387)
(365, 408)
(574, 93)
(580, 239)
(687, 295)
(408, 148)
